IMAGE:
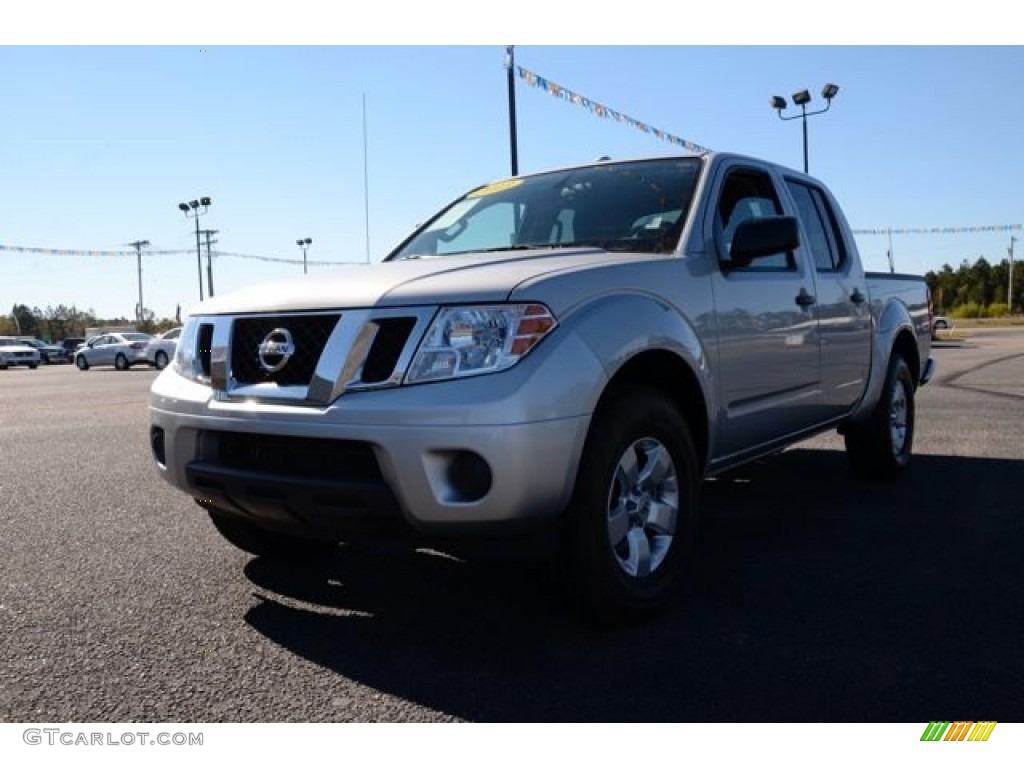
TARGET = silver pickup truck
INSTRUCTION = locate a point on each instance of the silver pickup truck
(565, 354)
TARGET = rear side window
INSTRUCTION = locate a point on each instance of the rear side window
(748, 194)
(824, 238)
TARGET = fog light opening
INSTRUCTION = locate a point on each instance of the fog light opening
(469, 476)
(156, 442)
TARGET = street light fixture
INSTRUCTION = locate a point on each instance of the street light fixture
(304, 243)
(191, 211)
(802, 99)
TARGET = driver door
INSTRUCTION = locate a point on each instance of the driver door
(768, 356)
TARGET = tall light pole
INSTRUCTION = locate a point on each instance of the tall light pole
(304, 243)
(138, 245)
(802, 99)
(510, 66)
(191, 211)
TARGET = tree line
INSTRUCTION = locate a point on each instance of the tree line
(62, 322)
(976, 290)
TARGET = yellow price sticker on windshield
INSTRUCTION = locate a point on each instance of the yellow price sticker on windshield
(491, 189)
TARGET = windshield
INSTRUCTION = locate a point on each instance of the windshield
(637, 206)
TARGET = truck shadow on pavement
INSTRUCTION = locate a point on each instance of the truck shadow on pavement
(812, 598)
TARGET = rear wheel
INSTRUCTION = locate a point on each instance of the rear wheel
(82, 363)
(121, 362)
(880, 448)
(161, 360)
(267, 543)
(633, 514)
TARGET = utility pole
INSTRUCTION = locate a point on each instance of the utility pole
(209, 258)
(1009, 293)
(137, 245)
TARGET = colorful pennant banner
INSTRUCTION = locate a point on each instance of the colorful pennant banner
(600, 110)
(939, 230)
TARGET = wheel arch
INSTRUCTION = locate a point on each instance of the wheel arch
(905, 345)
(668, 373)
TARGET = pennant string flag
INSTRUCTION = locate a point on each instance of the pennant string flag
(939, 230)
(600, 110)
(80, 252)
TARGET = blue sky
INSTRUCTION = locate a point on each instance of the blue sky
(101, 143)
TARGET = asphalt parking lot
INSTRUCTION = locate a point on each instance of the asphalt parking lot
(813, 597)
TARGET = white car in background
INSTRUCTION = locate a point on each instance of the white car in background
(161, 350)
(940, 323)
(14, 352)
(121, 350)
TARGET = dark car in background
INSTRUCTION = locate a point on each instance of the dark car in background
(48, 353)
(71, 345)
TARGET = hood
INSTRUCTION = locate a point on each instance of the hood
(471, 278)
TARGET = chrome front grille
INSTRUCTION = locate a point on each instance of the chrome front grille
(329, 353)
(309, 332)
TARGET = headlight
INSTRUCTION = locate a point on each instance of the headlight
(186, 359)
(468, 341)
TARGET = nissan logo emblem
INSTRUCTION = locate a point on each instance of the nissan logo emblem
(276, 350)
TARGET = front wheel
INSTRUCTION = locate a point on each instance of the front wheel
(267, 543)
(880, 448)
(82, 363)
(633, 514)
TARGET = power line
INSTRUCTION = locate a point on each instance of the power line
(165, 252)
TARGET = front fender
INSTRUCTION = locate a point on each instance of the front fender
(617, 328)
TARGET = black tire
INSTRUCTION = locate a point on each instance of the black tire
(82, 363)
(121, 362)
(941, 325)
(32, 366)
(880, 448)
(604, 559)
(267, 543)
(161, 360)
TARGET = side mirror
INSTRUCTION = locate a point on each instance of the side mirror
(757, 238)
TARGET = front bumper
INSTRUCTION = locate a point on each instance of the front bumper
(463, 457)
(13, 360)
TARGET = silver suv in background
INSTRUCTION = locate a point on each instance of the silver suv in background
(15, 352)
(160, 350)
(121, 350)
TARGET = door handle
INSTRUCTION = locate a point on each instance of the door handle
(857, 297)
(805, 299)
